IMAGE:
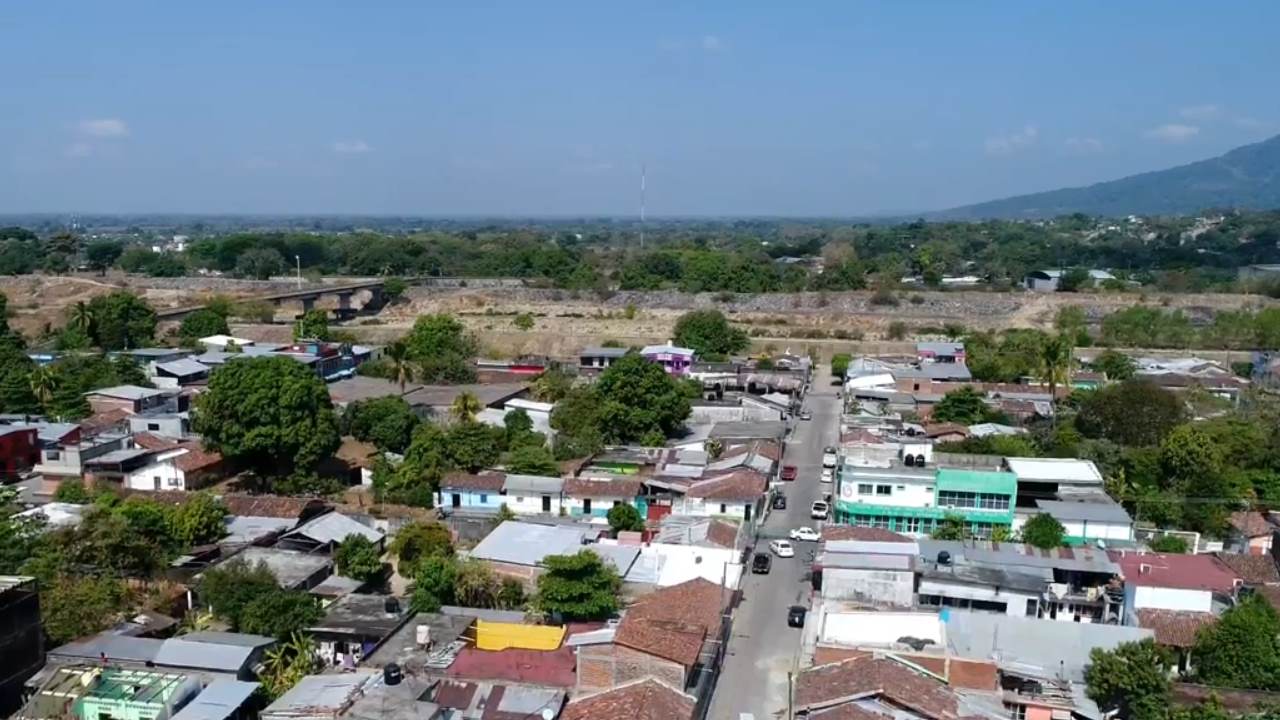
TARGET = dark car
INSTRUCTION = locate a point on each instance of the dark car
(761, 563)
(789, 472)
(779, 502)
(795, 615)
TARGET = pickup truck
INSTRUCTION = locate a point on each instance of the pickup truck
(789, 472)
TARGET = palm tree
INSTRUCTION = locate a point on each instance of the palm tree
(1055, 363)
(398, 357)
(465, 407)
(43, 384)
(81, 316)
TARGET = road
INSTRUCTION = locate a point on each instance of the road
(763, 649)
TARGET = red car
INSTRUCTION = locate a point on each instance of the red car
(788, 472)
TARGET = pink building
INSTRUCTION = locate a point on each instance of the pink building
(675, 360)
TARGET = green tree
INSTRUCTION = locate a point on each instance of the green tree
(709, 333)
(1116, 365)
(393, 289)
(532, 460)
(397, 358)
(577, 421)
(1134, 412)
(518, 426)
(75, 607)
(511, 595)
(840, 364)
(1054, 368)
(523, 321)
(637, 398)
(102, 254)
(287, 663)
(419, 540)
(465, 407)
(260, 263)
(625, 517)
(387, 422)
(1242, 649)
(964, 406)
(268, 413)
(121, 320)
(1192, 467)
(476, 586)
(358, 558)
(313, 325)
(1043, 531)
(471, 446)
(202, 323)
(433, 583)
(19, 536)
(577, 587)
(280, 613)
(43, 384)
(442, 350)
(200, 520)
(1168, 544)
(951, 527)
(1074, 280)
(228, 588)
(552, 385)
(72, 490)
(1132, 680)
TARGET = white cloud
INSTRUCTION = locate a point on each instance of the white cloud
(1200, 112)
(1084, 145)
(1013, 142)
(78, 150)
(104, 128)
(713, 43)
(351, 147)
(1173, 132)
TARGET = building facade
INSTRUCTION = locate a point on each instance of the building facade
(913, 500)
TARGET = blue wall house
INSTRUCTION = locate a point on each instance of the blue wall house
(476, 493)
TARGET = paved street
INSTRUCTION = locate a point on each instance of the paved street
(763, 649)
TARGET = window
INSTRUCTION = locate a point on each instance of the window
(519, 501)
(988, 501)
(723, 508)
(52, 455)
(864, 488)
(909, 525)
(880, 522)
(153, 427)
(956, 499)
(175, 482)
(884, 489)
(483, 498)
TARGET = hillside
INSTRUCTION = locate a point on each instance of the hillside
(1246, 177)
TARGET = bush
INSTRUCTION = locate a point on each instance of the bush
(1168, 544)
(884, 297)
(897, 330)
(917, 299)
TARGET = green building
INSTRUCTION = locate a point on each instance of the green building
(95, 693)
(913, 500)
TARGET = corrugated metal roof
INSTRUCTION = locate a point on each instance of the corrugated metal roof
(177, 652)
(521, 543)
(1051, 469)
(319, 696)
(1093, 512)
(183, 367)
(228, 638)
(1046, 646)
(218, 701)
(334, 527)
(533, 484)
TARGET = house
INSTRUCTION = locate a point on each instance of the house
(594, 497)
(940, 352)
(356, 624)
(675, 360)
(1097, 519)
(1251, 532)
(19, 450)
(1199, 583)
(661, 564)
(1176, 630)
(736, 494)
(644, 699)
(879, 573)
(174, 466)
(93, 692)
(946, 432)
(320, 697)
(1253, 570)
(596, 359)
(293, 570)
(59, 461)
(21, 638)
(132, 399)
(449, 698)
(871, 687)
(1047, 280)
(472, 493)
(176, 426)
(1050, 478)
(273, 506)
(178, 373)
(666, 635)
(214, 656)
(516, 549)
(532, 494)
(323, 532)
(913, 499)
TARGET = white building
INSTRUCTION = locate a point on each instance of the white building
(1159, 581)
(533, 494)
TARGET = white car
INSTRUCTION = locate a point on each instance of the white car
(829, 457)
(819, 510)
(782, 549)
(805, 534)
(828, 475)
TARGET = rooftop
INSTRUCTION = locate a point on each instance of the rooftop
(1054, 470)
(1111, 512)
(319, 696)
(363, 615)
(442, 396)
(1251, 523)
(290, 567)
(127, 392)
(334, 527)
(218, 701)
(522, 543)
(841, 683)
(184, 367)
(360, 387)
(1079, 559)
(757, 430)
(646, 699)
(484, 482)
(1252, 569)
(1188, 572)
(673, 622)
(1175, 628)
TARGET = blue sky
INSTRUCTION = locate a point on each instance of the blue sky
(550, 108)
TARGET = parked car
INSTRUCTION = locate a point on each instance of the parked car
(779, 502)
(828, 475)
(829, 457)
(819, 510)
(805, 534)
(760, 563)
(795, 616)
(782, 549)
(806, 415)
(789, 472)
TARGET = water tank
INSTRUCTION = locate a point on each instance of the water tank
(944, 557)
(391, 606)
(391, 674)
(422, 635)
(909, 460)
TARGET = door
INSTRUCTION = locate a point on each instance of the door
(586, 506)
(546, 503)
(746, 513)
(455, 499)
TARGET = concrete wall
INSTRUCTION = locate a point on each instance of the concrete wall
(601, 667)
(902, 492)
(473, 500)
(531, 504)
(1137, 597)
(879, 628)
(600, 505)
(163, 475)
(1016, 601)
(883, 587)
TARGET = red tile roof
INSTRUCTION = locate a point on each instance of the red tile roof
(673, 622)
(946, 428)
(277, 506)
(1187, 572)
(840, 683)
(1175, 628)
(150, 441)
(452, 694)
(1251, 523)
(197, 458)
(742, 485)
(1253, 569)
(724, 534)
(646, 699)
(104, 420)
(486, 482)
(552, 668)
(615, 487)
(865, 534)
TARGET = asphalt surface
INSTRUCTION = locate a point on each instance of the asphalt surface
(763, 649)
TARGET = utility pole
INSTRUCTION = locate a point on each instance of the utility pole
(297, 259)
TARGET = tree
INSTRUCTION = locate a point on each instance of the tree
(269, 413)
(1115, 365)
(1134, 412)
(951, 527)
(465, 407)
(475, 586)
(523, 321)
(1074, 280)
(313, 325)
(19, 536)
(280, 613)
(625, 517)
(577, 587)
(1132, 680)
(200, 520)
(1242, 649)
(202, 323)
(287, 663)
(511, 595)
(1193, 467)
(387, 422)
(420, 540)
(533, 460)
(1168, 544)
(518, 426)
(839, 365)
(433, 583)
(709, 333)
(1043, 531)
(121, 320)
(442, 349)
(358, 558)
(228, 588)
(552, 385)
(72, 490)
(577, 422)
(397, 357)
(471, 446)
(638, 397)
(260, 263)
(80, 316)
(393, 288)
(43, 383)
(102, 254)
(74, 607)
(964, 406)
(1055, 363)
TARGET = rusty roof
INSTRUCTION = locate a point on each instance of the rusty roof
(828, 686)
(722, 533)
(865, 534)
(1175, 628)
(646, 699)
(614, 487)
(1188, 572)
(487, 482)
(673, 622)
(1253, 569)
(277, 506)
(1251, 523)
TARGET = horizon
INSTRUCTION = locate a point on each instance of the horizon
(827, 112)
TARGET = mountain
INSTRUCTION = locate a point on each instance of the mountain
(1246, 177)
